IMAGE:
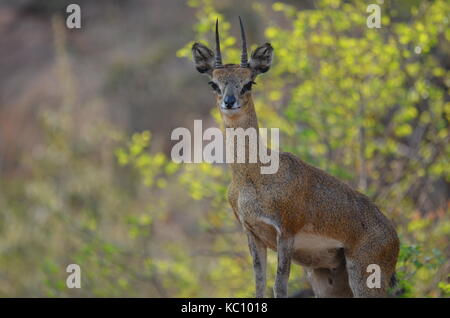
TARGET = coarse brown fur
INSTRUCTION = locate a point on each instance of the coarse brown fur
(302, 212)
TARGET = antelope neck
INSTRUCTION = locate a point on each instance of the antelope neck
(245, 170)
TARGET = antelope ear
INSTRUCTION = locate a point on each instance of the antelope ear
(261, 59)
(203, 58)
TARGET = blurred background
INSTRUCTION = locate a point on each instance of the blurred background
(86, 116)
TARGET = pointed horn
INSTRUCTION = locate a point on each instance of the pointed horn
(244, 62)
(218, 61)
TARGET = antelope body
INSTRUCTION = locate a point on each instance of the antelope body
(301, 212)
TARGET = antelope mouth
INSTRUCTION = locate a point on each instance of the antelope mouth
(230, 111)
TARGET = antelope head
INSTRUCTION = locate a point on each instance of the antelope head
(232, 83)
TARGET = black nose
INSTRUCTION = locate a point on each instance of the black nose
(229, 101)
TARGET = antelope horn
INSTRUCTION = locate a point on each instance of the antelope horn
(244, 62)
(218, 61)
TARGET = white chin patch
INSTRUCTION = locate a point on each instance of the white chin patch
(235, 106)
(230, 111)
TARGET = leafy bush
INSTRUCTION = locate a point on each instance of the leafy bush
(369, 106)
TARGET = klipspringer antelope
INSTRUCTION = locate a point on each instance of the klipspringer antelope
(301, 212)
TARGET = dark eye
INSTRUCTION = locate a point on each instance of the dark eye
(247, 87)
(215, 87)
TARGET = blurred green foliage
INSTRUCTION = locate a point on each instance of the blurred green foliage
(369, 106)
